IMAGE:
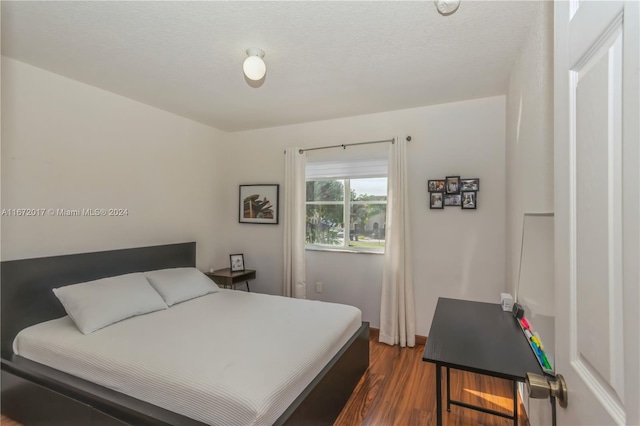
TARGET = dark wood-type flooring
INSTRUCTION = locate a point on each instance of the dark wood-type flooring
(399, 389)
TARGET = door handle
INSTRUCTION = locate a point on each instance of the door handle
(540, 387)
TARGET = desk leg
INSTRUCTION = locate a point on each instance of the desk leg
(438, 395)
(515, 403)
(448, 391)
(248, 289)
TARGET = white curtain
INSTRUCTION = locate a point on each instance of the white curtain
(397, 309)
(294, 224)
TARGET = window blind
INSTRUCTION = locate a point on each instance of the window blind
(344, 169)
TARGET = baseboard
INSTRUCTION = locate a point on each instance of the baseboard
(420, 340)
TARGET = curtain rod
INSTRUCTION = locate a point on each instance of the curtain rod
(345, 145)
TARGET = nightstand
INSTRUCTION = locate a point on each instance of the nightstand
(226, 278)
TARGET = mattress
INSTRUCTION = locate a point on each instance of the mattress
(227, 358)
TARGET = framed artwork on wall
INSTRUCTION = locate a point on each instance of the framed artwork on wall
(452, 200)
(469, 184)
(436, 185)
(259, 203)
(453, 191)
(469, 201)
(452, 184)
(436, 200)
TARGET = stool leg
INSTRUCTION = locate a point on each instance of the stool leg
(448, 391)
(438, 395)
(515, 403)
(248, 289)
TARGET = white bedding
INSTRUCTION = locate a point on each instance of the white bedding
(227, 358)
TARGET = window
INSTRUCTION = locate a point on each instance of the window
(347, 213)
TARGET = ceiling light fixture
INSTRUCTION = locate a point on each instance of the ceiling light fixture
(447, 7)
(254, 67)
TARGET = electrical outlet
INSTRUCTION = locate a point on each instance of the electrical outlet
(318, 287)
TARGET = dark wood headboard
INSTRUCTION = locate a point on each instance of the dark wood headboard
(26, 285)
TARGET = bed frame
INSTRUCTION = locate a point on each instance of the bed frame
(33, 393)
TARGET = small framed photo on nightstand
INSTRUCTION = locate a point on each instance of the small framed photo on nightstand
(237, 262)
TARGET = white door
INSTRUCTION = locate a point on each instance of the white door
(597, 192)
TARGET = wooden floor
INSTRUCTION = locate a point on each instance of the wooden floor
(399, 389)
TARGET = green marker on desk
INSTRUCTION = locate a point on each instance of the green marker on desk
(545, 361)
(541, 356)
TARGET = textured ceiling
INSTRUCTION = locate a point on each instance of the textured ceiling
(324, 59)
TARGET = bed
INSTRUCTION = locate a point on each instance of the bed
(316, 388)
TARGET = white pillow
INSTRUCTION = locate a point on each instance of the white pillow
(96, 304)
(176, 285)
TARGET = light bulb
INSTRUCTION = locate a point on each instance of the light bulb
(254, 67)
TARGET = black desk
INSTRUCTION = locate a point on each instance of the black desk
(481, 338)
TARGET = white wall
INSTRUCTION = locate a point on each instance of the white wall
(69, 145)
(529, 151)
(456, 253)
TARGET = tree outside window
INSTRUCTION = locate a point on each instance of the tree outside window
(362, 229)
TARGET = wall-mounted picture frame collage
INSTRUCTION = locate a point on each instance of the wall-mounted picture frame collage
(452, 191)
